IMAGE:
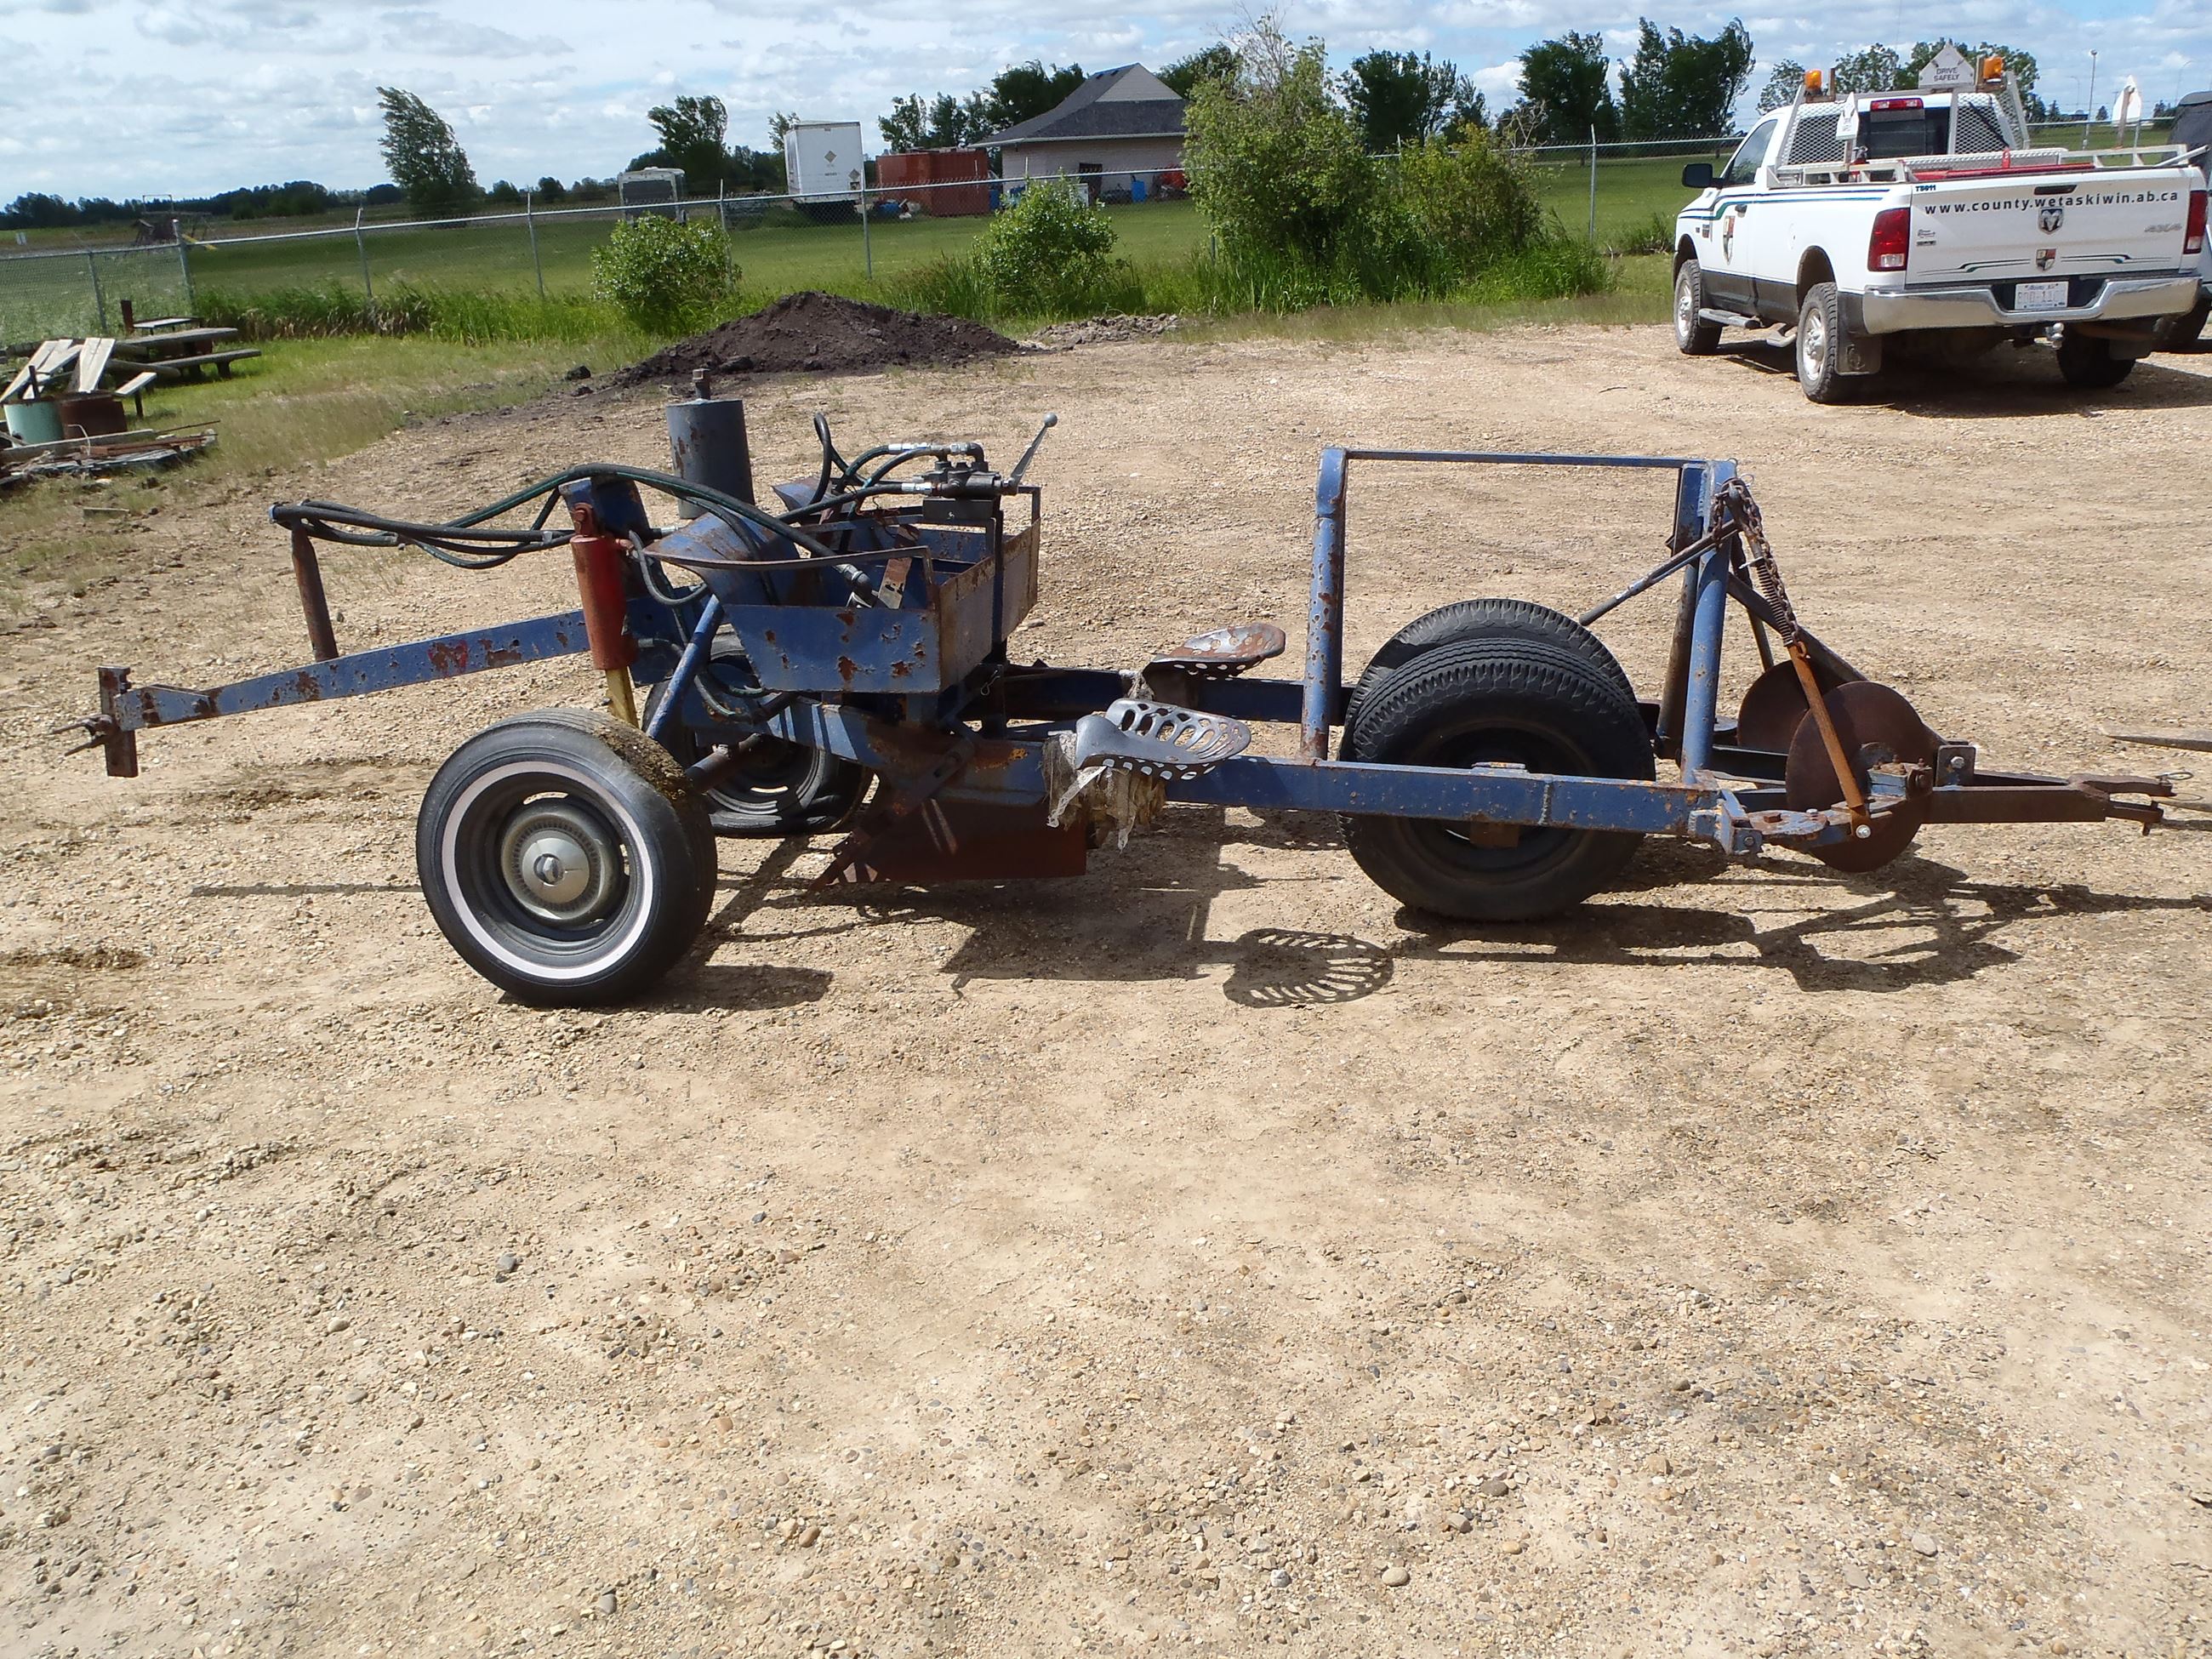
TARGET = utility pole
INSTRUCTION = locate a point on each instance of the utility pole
(2089, 115)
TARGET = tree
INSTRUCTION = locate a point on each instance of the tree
(778, 125)
(1877, 68)
(1399, 99)
(1215, 63)
(550, 189)
(504, 194)
(943, 123)
(423, 153)
(1683, 86)
(1782, 83)
(1565, 91)
(694, 134)
(1029, 89)
(425, 158)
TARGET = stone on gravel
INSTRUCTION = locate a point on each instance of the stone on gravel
(1393, 1575)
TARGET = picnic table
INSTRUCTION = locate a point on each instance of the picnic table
(169, 352)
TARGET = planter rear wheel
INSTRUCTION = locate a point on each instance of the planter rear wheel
(1496, 702)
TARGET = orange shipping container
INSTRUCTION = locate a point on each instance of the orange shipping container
(960, 178)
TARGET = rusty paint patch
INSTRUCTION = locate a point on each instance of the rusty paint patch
(449, 657)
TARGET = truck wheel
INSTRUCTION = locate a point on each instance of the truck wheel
(1496, 702)
(2089, 364)
(1820, 346)
(1481, 619)
(565, 858)
(779, 789)
(1694, 336)
(2180, 333)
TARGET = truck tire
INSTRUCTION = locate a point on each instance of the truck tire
(1694, 336)
(1514, 701)
(565, 858)
(2089, 364)
(1485, 619)
(2180, 333)
(1820, 346)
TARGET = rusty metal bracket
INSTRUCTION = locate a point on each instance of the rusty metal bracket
(846, 862)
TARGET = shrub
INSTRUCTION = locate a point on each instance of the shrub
(1048, 251)
(1275, 163)
(664, 276)
(1304, 216)
(1653, 236)
(1472, 202)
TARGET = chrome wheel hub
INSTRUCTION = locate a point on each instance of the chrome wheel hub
(1813, 341)
(560, 862)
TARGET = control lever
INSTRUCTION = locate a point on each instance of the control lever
(1021, 466)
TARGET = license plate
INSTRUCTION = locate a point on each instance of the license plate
(2039, 296)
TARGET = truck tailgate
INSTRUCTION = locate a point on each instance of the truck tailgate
(2090, 222)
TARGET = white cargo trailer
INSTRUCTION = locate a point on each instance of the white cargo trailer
(824, 160)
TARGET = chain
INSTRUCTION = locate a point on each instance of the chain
(1733, 499)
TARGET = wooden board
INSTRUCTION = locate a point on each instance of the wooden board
(92, 362)
(136, 384)
(49, 357)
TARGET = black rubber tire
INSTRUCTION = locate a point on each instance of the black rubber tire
(1497, 701)
(1694, 336)
(2089, 364)
(1820, 346)
(782, 789)
(651, 856)
(1476, 619)
(2180, 333)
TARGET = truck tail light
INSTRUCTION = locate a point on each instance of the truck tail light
(1892, 242)
(2192, 240)
(1896, 103)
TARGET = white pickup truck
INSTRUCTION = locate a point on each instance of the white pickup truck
(1862, 219)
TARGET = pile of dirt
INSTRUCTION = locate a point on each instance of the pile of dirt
(823, 334)
(1099, 331)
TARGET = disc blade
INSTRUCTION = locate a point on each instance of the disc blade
(1875, 725)
(1773, 704)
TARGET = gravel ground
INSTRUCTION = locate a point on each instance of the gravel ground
(1203, 1252)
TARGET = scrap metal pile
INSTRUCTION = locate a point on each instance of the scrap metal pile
(839, 662)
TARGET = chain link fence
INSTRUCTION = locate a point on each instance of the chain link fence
(1622, 196)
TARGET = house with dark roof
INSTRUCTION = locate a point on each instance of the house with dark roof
(1120, 125)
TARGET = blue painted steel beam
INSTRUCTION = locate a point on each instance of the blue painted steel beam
(140, 707)
(1511, 457)
(1499, 796)
(1701, 698)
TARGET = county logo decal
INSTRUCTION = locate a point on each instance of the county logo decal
(2053, 216)
(1728, 235)
(2045, 258)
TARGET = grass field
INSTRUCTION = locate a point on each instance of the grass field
(780, 253)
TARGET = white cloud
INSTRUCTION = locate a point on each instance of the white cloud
(192, 95)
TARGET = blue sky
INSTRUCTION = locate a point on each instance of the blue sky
(130, 97)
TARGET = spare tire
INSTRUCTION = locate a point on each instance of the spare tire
(1474, 619)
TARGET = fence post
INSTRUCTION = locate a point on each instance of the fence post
(530, 218)
(1593, 206)
(185, 265)
(361, 243)
(867, 248)
(98, 299)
